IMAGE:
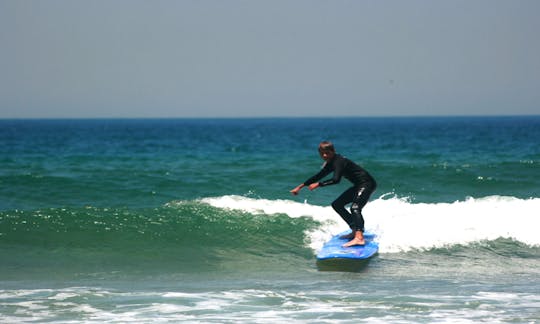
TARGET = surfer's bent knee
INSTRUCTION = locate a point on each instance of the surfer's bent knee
(355, 208)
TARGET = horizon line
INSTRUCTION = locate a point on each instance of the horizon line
(266, 117)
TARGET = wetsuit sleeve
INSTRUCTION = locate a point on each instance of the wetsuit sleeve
(338, 172)
(323, 173)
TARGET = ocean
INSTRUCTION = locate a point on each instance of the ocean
(191, 220)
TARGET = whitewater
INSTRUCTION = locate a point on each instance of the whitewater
(402, 226)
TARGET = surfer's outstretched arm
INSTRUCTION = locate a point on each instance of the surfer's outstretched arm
(296, 190)
(312, 186)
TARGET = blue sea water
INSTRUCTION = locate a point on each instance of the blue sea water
(160, 220)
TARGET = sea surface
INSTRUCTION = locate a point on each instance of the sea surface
(191, 220)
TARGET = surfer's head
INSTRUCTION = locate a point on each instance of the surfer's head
(326, 150)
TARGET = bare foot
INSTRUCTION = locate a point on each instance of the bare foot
(355, 241)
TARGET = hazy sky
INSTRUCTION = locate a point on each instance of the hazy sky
(127, 58)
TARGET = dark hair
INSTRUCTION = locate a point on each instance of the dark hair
(326, 146)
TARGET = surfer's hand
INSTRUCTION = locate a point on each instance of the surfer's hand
(314, 186)
(296, 190)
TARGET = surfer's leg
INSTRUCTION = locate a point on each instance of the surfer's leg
(339, 206)
(359, 201)
(356, 211)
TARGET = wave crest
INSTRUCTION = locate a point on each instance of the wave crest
(404, 226)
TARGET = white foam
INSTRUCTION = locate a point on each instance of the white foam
(94, 305)
(402, 226)
(265, 206)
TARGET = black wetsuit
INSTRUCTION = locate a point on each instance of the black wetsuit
(358, 194)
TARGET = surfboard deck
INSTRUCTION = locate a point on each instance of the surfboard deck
(333, 248)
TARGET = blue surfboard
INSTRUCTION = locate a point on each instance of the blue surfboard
(333, 249)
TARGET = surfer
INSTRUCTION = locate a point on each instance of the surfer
(358, 194)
